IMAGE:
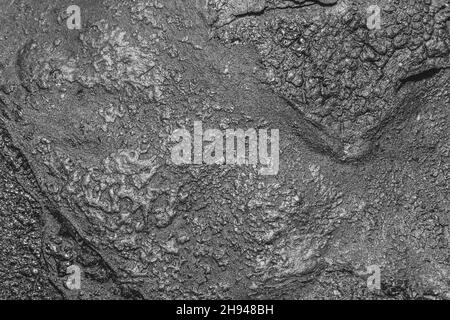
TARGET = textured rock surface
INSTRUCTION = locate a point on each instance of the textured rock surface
(86, 117)
(341, 76)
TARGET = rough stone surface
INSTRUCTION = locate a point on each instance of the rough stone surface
(86, 177)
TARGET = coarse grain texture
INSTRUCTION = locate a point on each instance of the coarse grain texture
(85, 121)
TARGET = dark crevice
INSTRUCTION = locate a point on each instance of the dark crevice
(424, 75)
(320, 140)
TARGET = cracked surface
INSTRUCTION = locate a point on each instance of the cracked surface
(86, 117)
(341, 76)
